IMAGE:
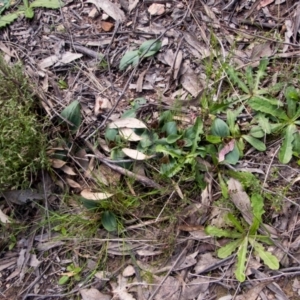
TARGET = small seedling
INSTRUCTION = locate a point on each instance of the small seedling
(147, 49)
(72, 272)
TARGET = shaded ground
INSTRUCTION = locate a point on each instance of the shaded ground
(161, 249)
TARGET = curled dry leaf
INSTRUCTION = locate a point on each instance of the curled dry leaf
(72, 183)
(156, 9)
(4, 218)
(129, 135)
(68, 170)
(127, 123)
(87, 194)
(93, 294)
(57, 163)
(240, 199)
(134, 154)
(128, 271)
(225, 150)
(110, 8)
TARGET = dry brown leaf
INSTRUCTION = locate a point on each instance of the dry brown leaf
(156, 9)
(88, 194)
(204, 261)
(4, 218)
(129, 135)
(240, 199)
(128, 271)
(55, 60)
(264, 3)
(72, 183)
(68, 170)
(225, 150)
(134, 154)
(177, 64)
(107, 26)
(93, 294)
(57, 163)
(190, 260)
(102, 104)
(191, 82)
(196, 289)
(128, 123)
(109, 8)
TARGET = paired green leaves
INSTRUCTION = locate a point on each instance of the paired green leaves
(27, 9)
(147, 49)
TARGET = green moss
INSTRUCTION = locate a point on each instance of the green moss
(22, 142)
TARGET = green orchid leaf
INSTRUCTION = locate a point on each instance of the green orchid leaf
(296, 143)
(63, 280)
(292, 94)
(233, 157)
(256, 132)
(53, 4)
(172, 168)
(250, 77)
(292, 100)
(170, 128)
(29, 13)
(257, 204)
(176, 153)
(217, 232)
(72, 114)
(234, 76)
(286, 149)
(4, 4)
(213, 139)
(235, 222)
(269, 259)
(264, 123)
(110, 134)
(220, 128)
(109, 221)
(261, 72)
(224, 187)
(229, 248)
(241, 261)
(172, 138)
(149, 48)
(263, 239)
(259, 104)
(148, 139)
(257, 144)
(198, 129)
(7, 19)
(130, 58)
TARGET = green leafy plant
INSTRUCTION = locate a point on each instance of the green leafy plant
(245, 236)
(281, 118)
(72, 272)
(147, 49)
(230, 138)
(250, 83)
(26, 9)
(22, 141)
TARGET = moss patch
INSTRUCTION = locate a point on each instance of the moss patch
(22, 142)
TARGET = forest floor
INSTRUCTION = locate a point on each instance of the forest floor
(174, 169)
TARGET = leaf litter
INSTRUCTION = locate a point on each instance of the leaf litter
(74, 53)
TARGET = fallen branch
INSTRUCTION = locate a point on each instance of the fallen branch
(143, 179)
